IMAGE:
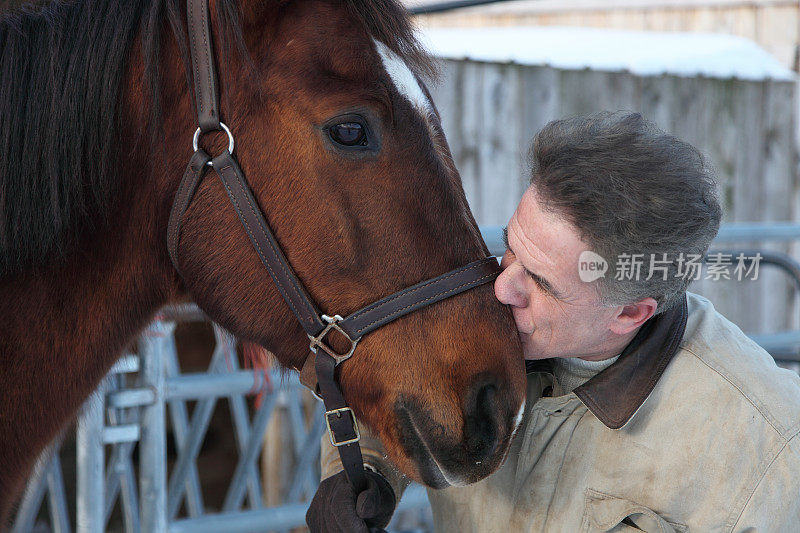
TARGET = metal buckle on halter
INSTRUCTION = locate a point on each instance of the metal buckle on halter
(338, 414)
(333, 323)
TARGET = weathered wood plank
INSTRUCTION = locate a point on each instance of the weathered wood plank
(498, 159)
(540, 97)
(470, 89)
(780, 162)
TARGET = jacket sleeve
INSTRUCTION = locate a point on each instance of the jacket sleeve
(374, 458)
(774, 505)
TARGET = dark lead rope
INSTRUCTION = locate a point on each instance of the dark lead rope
(323, 360)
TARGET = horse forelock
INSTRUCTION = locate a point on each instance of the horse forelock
(388, 21)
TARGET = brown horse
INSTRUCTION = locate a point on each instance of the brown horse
(345, 154)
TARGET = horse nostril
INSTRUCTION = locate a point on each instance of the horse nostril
(481, 421)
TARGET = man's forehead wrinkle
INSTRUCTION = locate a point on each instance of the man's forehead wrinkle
(533, 251)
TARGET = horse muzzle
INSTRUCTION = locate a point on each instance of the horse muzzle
(446, 457)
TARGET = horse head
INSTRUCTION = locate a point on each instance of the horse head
(344, 152)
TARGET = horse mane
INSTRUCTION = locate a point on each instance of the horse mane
(61, 68)
(61, 72)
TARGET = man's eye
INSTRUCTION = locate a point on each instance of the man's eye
(537, 280)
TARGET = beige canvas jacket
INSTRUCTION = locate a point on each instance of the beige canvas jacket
(693, 428)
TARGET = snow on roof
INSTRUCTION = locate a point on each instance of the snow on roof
(642, 53)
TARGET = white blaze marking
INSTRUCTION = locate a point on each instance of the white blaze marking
(404, 79)
(408, 86)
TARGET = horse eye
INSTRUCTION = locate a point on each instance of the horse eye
(348, 134)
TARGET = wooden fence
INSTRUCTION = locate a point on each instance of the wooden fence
(491, 111)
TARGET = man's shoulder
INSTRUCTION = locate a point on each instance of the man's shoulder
(715, 356)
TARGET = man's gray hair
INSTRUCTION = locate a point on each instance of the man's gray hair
(629, 188)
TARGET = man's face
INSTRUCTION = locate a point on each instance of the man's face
(557, 315)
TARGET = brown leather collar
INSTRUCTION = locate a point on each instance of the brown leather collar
(616, 393)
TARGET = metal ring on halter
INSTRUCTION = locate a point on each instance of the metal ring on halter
(196, 139)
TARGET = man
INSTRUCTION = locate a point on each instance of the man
(647, 409)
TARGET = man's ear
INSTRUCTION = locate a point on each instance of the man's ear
(630, 317)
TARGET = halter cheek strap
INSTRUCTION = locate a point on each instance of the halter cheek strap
(203, 72)
(319, 370)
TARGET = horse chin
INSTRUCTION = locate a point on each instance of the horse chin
(429, 469)
(440, 460)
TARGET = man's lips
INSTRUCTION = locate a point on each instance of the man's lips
(525, 331)
(522, 328)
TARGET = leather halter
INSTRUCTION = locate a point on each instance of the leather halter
(341, 422)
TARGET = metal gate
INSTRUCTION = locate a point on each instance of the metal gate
(132, 406)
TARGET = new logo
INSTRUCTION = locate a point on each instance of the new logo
(591, 266)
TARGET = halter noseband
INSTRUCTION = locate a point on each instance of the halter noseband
(322, 359)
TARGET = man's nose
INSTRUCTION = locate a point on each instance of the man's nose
(506, 289)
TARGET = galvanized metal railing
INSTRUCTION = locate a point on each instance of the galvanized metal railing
(131, 408)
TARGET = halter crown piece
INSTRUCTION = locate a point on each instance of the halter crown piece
(322, 359)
